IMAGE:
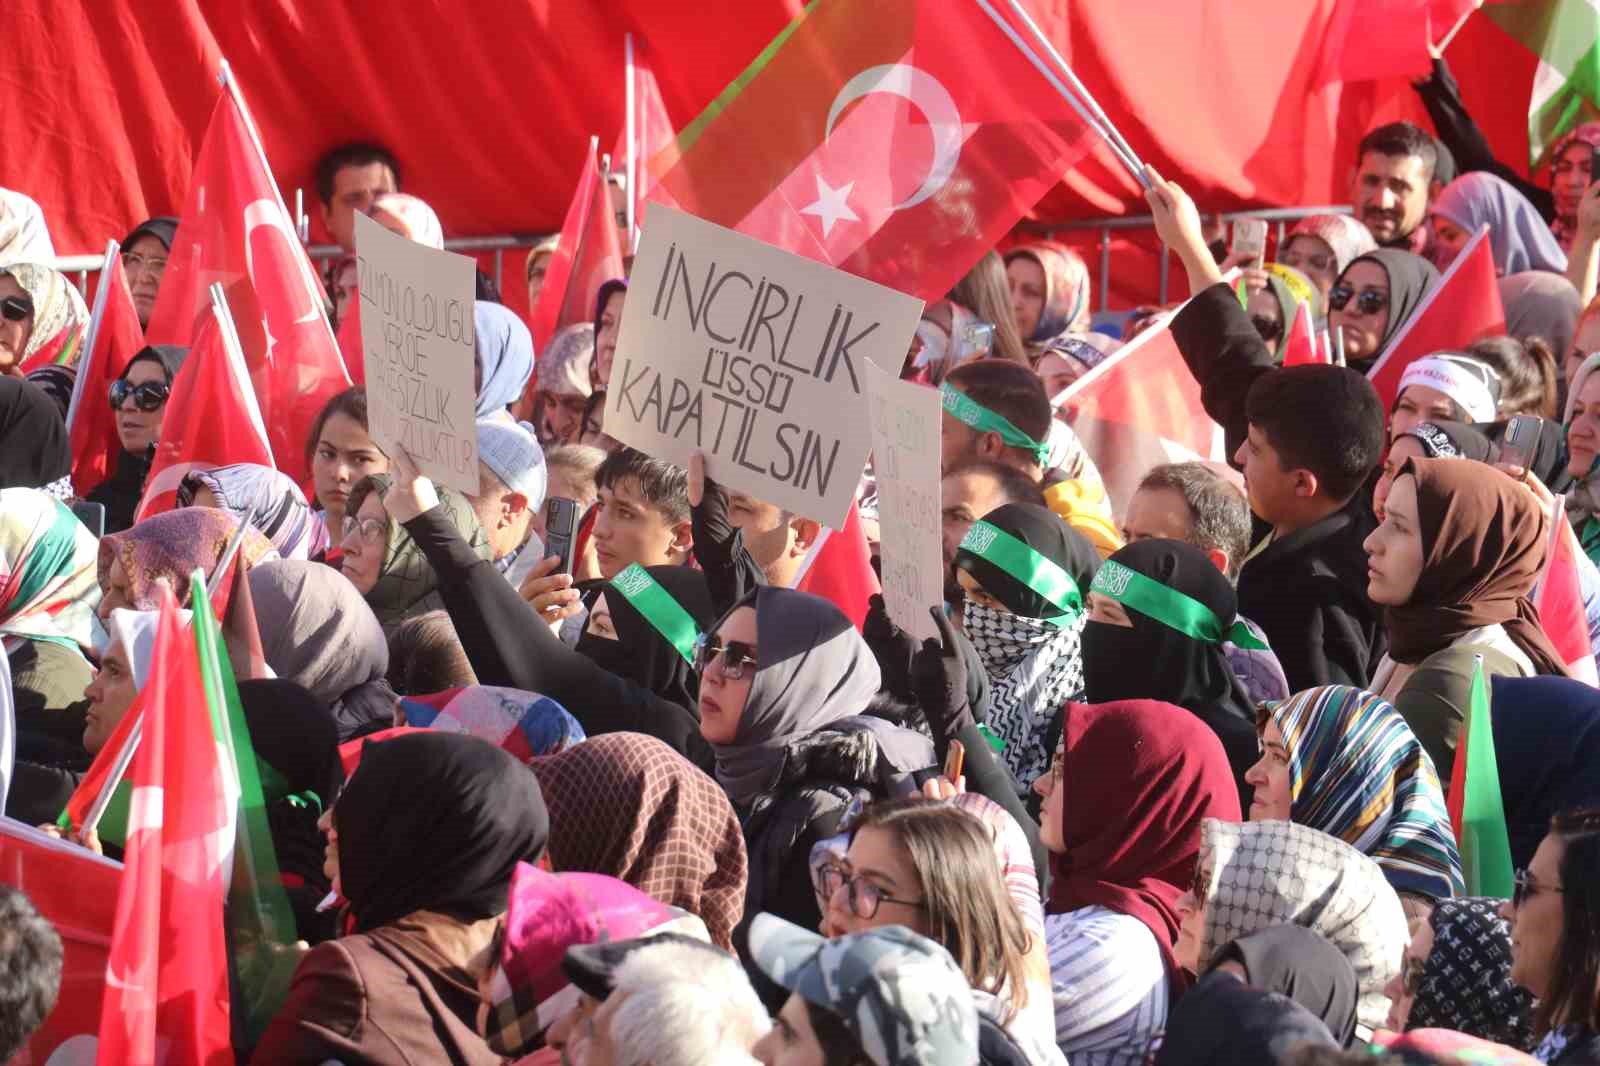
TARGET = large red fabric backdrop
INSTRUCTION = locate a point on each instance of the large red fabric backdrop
(488, 105)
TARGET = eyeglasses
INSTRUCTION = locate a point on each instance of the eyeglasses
(16, 308)
(864, 895)
(372, 531)
(1524, 887)
(1411, 971)
(1370, 302)
(736, 655)
(133, 263)
(1266, 327)
(147, 396)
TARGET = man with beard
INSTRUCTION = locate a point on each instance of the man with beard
(1394, 183)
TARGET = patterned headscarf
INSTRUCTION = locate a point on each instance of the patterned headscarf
(406, 583)
(564, 366)
(1256, 875)
(59, 316)
(628, 806)
(172, 545)
(1466, 982)
(268, 500)
(1357, 772)
(47, 571)
(418, 219)
(1344, 236)
(1066, 289)
(1566, 229)
(524, 723)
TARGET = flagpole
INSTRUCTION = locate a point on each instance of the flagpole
(228, 553)
(96, 316)
(1130, 162)
(630, 127)
(1108, 127)
(119, 769)
(1336, 338)
(241, 369)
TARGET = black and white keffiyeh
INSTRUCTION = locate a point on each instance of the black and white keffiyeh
(1034, 667)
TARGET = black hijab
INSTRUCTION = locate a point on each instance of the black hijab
(1042, 530)
(163, 228)
(1547, 744)
(435, 821)
(1222, 1021)
(640, 653)
(1152, 661)
(292, 732)
(1453, 440)
(34, 451)
(1410, 278)
(1293, 961)
(169, 357)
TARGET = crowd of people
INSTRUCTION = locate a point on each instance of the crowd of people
(1170, 786)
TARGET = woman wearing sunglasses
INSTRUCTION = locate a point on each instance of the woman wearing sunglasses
(1373, 297)
(139, 401)
(42, 319)
(1555, 938)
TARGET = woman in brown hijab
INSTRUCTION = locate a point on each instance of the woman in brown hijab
(628, 806)
(1453, 564)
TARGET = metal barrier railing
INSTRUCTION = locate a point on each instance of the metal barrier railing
(84, 265)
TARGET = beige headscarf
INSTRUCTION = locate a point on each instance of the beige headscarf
(23, 234)
(59, 314)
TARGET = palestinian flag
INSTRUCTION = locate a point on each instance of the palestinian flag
(1476, 811)
(1565, 35)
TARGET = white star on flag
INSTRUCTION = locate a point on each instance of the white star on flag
(832, 205)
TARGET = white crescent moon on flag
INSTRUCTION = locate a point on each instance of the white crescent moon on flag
(930, 97)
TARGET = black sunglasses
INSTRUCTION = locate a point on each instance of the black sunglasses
(1370, 302)
(1266, 327)
(1523, 886)
(16, 308)
(736, 655)
(148, 396)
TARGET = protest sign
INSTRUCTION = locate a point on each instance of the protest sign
(419, 352)
(905, 420)
(756, 357)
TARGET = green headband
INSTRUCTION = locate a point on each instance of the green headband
(1044, 576)
(970, 412)
(1169, 606)
(665, 614)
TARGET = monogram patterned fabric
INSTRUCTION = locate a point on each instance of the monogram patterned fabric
(1466, 983)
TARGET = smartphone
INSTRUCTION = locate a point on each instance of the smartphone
(977, 341)
(953, 762)
(561, 517)
(1521, 440)
(1250, 239)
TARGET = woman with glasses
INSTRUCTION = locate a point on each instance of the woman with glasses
(1124, 801)
(144, 261)
(939, 870)
(1555, 938)
(139, 399)
(42, 320)
(1320, 247)
(1456, 974)
(1373, 298)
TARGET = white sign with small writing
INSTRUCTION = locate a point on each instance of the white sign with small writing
(906, 420)
(756, 357)
(420, 352)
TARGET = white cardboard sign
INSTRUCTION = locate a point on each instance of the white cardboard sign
(906, 420)
(420, 352)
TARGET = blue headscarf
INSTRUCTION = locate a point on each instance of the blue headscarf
(1547, 745)
(505, 355)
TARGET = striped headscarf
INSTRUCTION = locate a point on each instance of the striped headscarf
(1357, 772)
(48, 589)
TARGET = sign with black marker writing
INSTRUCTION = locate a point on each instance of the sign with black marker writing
(756, 357)
(420, 352)
(906, 419)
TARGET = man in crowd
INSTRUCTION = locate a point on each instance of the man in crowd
(511, 490)
(1394, 184)
(972, 490)
(776, 539)
(349, 178)
(30, 970)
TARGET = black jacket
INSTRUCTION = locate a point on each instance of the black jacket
(1307, 590)
(1466, 142)
(509, 645)
(120, 492)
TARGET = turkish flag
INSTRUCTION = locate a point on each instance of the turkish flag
(1463, 307)
(839, 569)
(115, 337)
(587, 255)
(235, 230)
(166, 994)
(1303, 348)
(1139, 408)
(211, 420)
(652, 131)
(1559, 598)
(895, 139)
(76, 891)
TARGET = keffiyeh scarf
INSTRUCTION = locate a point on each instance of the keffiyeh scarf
(1034, 668)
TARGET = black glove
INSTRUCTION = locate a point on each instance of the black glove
(892, 646)
(939, 676)
(730, 570)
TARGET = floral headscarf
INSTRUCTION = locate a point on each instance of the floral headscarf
(172, 545)
(1066, 295)
(59, 316)
(47, 571)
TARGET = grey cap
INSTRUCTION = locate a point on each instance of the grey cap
(512, 451)
(901, 995)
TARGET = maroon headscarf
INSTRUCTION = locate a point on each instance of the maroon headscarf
(1139, 778)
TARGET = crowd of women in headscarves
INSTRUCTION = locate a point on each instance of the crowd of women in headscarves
(1080, 825)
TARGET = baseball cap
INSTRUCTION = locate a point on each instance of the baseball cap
(900, 994)
(592, 967)
(512, 451)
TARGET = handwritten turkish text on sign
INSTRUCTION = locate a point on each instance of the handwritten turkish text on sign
(906, 419)
(756, 357)
(420, 352)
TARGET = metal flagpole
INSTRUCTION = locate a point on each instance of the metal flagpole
(1130, 162)
(96, 316)
(119, 770)
(630, 128)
